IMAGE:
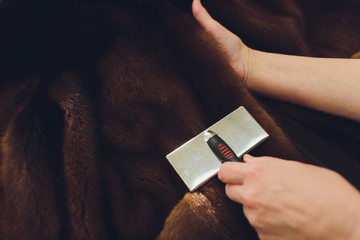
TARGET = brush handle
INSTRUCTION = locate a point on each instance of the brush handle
(222, 150)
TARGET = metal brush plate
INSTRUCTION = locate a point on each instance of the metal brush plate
(196, 163)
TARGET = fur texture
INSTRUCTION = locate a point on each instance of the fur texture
(93, 95)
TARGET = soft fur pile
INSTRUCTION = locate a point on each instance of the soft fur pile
(94, 94)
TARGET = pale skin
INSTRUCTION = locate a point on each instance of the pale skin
(287, 199)
(327, 84)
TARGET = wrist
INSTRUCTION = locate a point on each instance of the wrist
(249, 65)
(256, 67)
(346, 224)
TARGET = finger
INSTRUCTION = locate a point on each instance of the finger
(248, 158)
(200, 14)
(232, 172)
(235, 192)
(250, 216)
(251, 159)
(207, 22)
(247, 212)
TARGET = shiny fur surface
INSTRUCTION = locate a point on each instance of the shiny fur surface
(94, 94)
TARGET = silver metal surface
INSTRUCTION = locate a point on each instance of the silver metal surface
(196, 163)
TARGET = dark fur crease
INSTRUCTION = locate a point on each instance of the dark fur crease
(94, 94)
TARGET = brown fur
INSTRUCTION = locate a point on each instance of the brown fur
(85, 123)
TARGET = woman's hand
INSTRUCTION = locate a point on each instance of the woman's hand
(237, 53)
(291, 200)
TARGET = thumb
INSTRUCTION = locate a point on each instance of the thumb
(248, 158)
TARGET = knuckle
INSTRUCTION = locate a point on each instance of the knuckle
(251, 199)
(221, 176)
(232, 193)
(255, 171)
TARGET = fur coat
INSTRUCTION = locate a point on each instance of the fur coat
(94, 94)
